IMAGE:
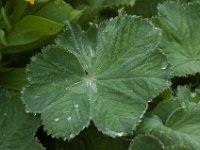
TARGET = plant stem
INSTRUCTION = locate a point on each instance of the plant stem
(5, 19)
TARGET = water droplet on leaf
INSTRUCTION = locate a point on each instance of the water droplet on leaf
(193, 95)
(56, 119)
(76, 105)
(71, 136)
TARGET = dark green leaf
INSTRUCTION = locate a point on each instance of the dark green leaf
(30, 29)
(146, 142)
(17, 128)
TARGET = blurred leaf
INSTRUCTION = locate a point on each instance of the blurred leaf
(30, 29)
(28, 47)
(17, 128)
(59, 11)
(20, 7)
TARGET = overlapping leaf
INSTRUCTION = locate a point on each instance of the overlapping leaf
(16, 127)
(143, 142)
(108, 77)
(180, 24)
(181, 129)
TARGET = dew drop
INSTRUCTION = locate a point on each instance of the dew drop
(76, 105)
(27, 111)
(35, 97)
(56, 119)
(29, 78)
(119, 134)
(69, 118)
(65, 138)
(164, 66)
(71, 136)
(34, 114)
(193, 95)
(53, 84)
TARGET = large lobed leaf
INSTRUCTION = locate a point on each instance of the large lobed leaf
(17, 128)
(181, 40)
(108, 77)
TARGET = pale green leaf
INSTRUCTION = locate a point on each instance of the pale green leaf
(146, 142)
(182, 127)
(108, 77)
(17, 128)
(181, 38)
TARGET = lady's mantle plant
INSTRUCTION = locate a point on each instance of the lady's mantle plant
(114, 77)
(107, 75)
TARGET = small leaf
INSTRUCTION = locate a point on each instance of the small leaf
(108, 77)
(180, 42)
(17, 128)
(144, 142)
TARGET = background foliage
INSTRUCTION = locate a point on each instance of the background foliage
(99, 75)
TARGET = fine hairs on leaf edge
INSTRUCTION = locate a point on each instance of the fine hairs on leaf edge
(104, 132)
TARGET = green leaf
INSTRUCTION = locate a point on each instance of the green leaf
(144, 142)
(14, 79)
(92, 139)
(59, 11)
(28, 47)
(146, 8)
(176, 147)
(17, 128)
(182, 127)
(97, 3)
(184, 93)
(30, 29)
(165, 108)
(108, 77)
(20, 7)
(180, 42)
